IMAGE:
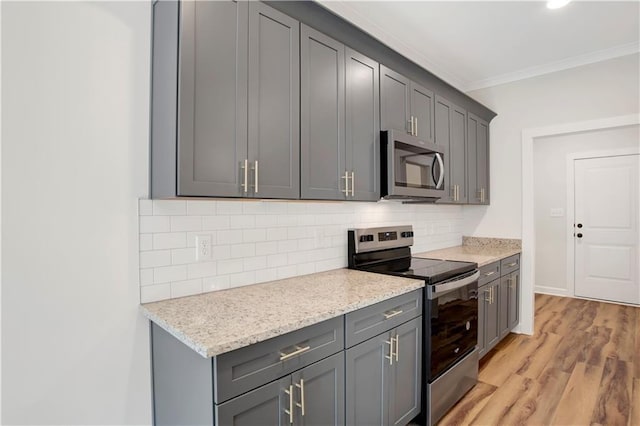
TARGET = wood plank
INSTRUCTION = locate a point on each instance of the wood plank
(541, 352)
(613, 404)
(545, 396)
(581, 391)
(622, 343)
(570, 351)
(506, 361)
(635, 406)
(598, 337)
(501, 404)
(467, 409)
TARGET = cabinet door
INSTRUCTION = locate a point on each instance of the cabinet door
(478, 159)
(492, 330)
(514, 299)
(363, 125)
(457, 153)
(274, 93)
(422, 104)
(320, 389)
(212, 138)
(503, 306)
(442, 131)
(322, 71)
(406, 376)
(263, 406)
(367, 381)
(394, 100)
(483, 302)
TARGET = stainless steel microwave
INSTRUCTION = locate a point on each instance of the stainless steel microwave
(411, 168)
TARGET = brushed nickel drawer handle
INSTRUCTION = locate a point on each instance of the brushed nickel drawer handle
(390, 357)
(298, 351)
(301, 403)
(488, 274)
(512, 264)
(392, 314)
(290, 410)
(397, 348)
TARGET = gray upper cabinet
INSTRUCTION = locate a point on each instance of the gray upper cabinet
(274, 99)
(478, 159)
(212, 136)
(339, 121)
(450, 132)
(405, 105)
(237, 101)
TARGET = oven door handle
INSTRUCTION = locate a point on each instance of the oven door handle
(438, 290)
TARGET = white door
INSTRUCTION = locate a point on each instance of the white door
(607, 232)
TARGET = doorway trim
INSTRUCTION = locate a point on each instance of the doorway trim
(571, 280)
(528, 231)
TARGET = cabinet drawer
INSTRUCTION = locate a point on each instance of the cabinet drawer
(247, 368)
(368, 322)
(489, 273)
(510, 264)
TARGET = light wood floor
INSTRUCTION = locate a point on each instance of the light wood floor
(581, 367)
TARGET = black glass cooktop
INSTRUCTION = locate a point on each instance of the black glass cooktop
(430, 270)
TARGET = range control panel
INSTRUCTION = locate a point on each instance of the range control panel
(371, 239)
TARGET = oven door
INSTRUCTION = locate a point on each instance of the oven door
(452, 322)
(413, 168)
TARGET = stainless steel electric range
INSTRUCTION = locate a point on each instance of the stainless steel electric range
(450, 317)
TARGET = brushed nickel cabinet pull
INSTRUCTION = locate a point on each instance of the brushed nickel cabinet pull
(390, 357)
(301, 403)
(245, 168)
(392, 314)
(290, 410)
(255, 168)
(488, 274)
(397, 348)
(346, 183)
(415, 126)
(353, 184)
(512, 264)
(410, 131)
(298, 351)
(487, 295)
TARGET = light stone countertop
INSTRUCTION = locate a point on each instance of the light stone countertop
(218, 322)
(479, 250)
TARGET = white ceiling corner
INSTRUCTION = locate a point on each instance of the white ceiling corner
(477, 44)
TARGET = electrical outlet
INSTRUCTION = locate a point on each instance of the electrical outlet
(203, 248)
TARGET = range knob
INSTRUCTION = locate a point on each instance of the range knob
(366, 238)
(407, 234)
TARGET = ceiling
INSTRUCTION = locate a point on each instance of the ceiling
(476, 44)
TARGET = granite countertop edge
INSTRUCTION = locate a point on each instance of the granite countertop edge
(480, 255)
(228, 345)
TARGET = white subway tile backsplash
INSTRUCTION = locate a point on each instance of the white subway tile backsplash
(169, 207)
(149, 224)
(230, 266)
(146, 242)
(151, 259)
(169, 273)
(169, 240)
(154, 293)
(145, 207)
(201, 208)
(183, 256)
(186, 288)
(259, 241)
(186, 223)
(201, 270)
(243, 250)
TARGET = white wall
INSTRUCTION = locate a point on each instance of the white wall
(258, 241)
(550, 192)
(600, 90)
(75, 109)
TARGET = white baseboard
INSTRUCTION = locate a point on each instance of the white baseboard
(553, 291)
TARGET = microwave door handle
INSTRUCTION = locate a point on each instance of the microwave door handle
(441, 164)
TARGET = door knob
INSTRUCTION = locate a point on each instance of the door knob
(579, 225)
(579, 235)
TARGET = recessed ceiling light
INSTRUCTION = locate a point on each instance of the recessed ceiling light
(557, 4)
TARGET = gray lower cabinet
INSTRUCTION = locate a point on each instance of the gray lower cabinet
(383, 377)
(478, 159)
(451, 132)
(406, 105)
(498, 302)
(230, 72)
(311, 396)
(340, 128)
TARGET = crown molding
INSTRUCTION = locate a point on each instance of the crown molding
(568, 63)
